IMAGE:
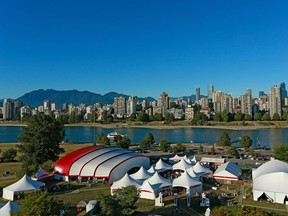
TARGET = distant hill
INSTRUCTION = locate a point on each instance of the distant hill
(36, 98)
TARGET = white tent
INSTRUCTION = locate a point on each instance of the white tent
(147, 191)
(162, 166)
(228, 171)
(202, 170)
(141, 175)
(182, 165)
(152, 169)
(24, 184)
(194, 159)
(5, 210)
(192, 173)
(125, 181)
(158, 180)
(270, 182)
(188, 182)
(188, 160)
(40, 174)
(175, 159)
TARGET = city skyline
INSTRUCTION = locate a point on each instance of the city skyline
(143, 48)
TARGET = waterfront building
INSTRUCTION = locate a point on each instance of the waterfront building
(275, 101)
(8, 109)
(189, 112)
(217, 100)
(131, 105)
(178, 113)
(246, 102)
(17, 105)
(24, 110)
(227, 103)
(163, 102)
(203, 102)
(119, 106)
(210, 91)
(53, 107)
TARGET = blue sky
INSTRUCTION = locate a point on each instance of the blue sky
(143, 48)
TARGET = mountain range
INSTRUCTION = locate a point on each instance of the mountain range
(36, 97)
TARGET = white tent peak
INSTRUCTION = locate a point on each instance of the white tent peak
(162, 166)
(8, 208)
(141, 174)
(182, 165)
(185, 180)
(157, 179)
(152, 169)
(270, 167)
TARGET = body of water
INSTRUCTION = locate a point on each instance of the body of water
(264, 137)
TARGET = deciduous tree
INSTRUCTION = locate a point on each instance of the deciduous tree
(281, 152)
(164, 145)
(245, 142)
(102, 139)
(224, 139)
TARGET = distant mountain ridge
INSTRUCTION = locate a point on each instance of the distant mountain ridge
(36, 97)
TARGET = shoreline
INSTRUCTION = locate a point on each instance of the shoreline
(160, 126)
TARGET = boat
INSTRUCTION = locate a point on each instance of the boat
(113, 134)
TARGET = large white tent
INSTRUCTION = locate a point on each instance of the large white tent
(270, 182)
(5, 210)
(147, 191)
(228, 171)
(24, 184)
(161, 166)
(202, 170)
(188, 182)
(152, 169)
(125, 181)
(182, 165)
(141, 175)
(176, 158)
(193, 174)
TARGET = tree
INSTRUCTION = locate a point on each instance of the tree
(276, 117)
(133, 117)
(238, 116)
(164, 145)
(9, 155)
(179, 147)
(266, 117)
(285, 116)
(169, 117)
(143, 116)
(147, 141)
(40, 142)
(252, 211)
(281, 152)
(224, 139)
(122, 203)
(245, 142)
(102, 139)
(158, 117)
(226, 116)
(40, 204)
(199, 119)
(123, 142)
(200, 149)
(212, 150)
(257, 116)
(217, 117)
(232, 151)
(247, 117)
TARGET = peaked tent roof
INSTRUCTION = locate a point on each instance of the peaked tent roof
(185, 180)
(158, 181)
(188, 160)
(194, 159)
(25, 184)
(182, 165)
(8, 208)
(200, 169)
(175, 158)
(270, 167)
(152, 169)
(192, 173)
(162, 166)
(228, 171)
(141, 175)
(125, 181)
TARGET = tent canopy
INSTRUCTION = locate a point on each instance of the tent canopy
(141, 175)
(9, 207)
(182, 165)
(125, 181)
(185, 180)
(24, 184)
(40, 174)
(156, 179)
(228, 171)
(162, 166)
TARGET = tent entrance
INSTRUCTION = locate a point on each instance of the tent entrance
(286, 200)
(264, 197)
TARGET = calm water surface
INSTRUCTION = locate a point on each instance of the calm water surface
(266, 137)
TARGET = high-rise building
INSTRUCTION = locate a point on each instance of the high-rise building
(131, 105)
(246, 102)
(53, 107)
(275, 101)
(210, 91)
(119, 106)
(163, 103)
(47, 105)
(217, 100)
(8, 109)
(283, 91)
(197, 94)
